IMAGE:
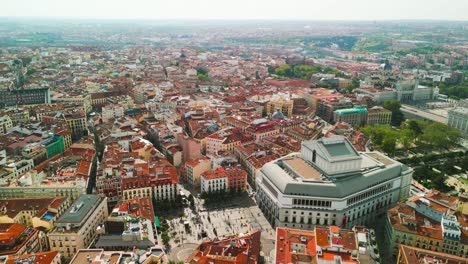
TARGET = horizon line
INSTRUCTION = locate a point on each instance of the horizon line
(233, 19)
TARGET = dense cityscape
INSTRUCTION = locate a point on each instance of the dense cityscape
(242, 142)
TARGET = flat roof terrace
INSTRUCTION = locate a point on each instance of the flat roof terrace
(380, 158)
(84, 254)
(302, 169)
(80, 208)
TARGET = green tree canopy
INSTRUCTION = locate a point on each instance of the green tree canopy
(303, 71)
(394, 106)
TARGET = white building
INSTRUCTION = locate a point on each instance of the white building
(112, 111)
(458, 118)
(19, 167)
(409, 90)
(330, 183)
(214, 181)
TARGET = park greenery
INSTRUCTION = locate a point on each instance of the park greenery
(302, 71)
(353, 85)
(424, 135)
(375, 43)
(202, 74)
(455, 91)
(422, 50)
(431, 169)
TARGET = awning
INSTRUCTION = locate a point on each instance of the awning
(156, 222)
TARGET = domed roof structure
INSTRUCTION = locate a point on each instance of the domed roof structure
(386, 66)
(277, 115)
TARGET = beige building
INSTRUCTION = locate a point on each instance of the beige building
(434, 221)
(138, 193)
(112, 111)
(81, 99)
(378, 115)
(194, 169)
(285, 105)
(5, 124)
(76, 120)
(78, 226)
(34, 186)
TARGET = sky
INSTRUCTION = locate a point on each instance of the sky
(240, 9)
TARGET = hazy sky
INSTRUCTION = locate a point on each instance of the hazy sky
(241, 9)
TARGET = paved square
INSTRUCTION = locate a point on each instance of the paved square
(237, 215)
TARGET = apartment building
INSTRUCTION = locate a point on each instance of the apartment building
(431, 222)
(5, 124)
(76, 229)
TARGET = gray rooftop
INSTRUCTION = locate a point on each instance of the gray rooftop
(334, 148)
(80, 208)
(375, 167)
(117, 241)
(460, 110)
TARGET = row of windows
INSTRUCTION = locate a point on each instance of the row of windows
(308, 202)
(368, 194)
(318, 221)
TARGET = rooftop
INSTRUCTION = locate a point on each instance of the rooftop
(460, 110)
(240, 249)
(334, 147)
(80, 208)
(286, 238)
(355, 110)
(410, 255)
(15, 206)
(303, 169)
(34, 258)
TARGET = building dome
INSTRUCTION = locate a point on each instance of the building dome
(386, 66)
(277, 115)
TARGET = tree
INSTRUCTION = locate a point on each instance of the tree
(440, 135)
(191, 200)
(284, 70)
(353, 85)
(394, 106)
(31, 71)
(413, 126)
(165, 238)
(389, 144)
(202, 70)
(203, 77)
(406, 138)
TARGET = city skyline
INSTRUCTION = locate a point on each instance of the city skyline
(241, 10)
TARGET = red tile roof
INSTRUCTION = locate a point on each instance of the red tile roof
(411, 255)
(241, 249)
(324, 240)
